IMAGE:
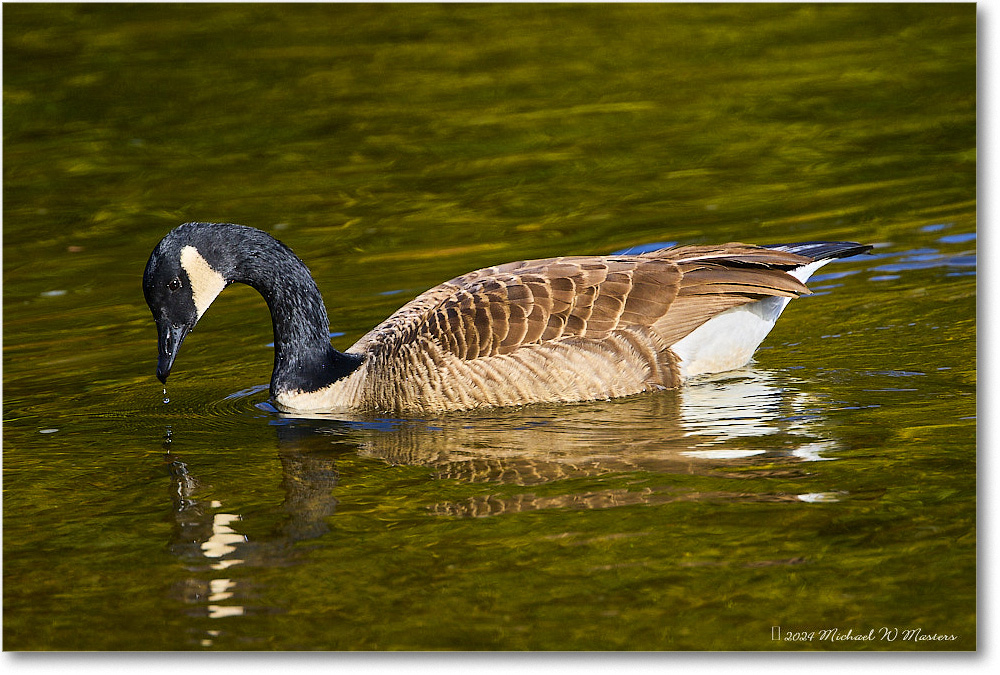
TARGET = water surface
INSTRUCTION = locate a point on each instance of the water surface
(828, 485)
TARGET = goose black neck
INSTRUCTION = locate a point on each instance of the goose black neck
(304, 359)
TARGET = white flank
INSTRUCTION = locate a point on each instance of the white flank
(728, 341)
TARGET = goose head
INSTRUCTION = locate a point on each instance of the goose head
(186, 271)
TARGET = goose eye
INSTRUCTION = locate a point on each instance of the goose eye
(174, 284)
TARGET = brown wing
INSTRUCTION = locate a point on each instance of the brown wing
(671, 292)
(500, 309)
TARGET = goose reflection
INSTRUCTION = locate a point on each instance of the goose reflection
(207, 539)
(746, 424)
(718, 426)
(719, 422)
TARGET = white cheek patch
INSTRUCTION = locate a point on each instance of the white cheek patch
(206, 283)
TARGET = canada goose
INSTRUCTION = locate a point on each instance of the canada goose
(559, 329)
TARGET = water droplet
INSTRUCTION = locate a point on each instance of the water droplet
(165, 398)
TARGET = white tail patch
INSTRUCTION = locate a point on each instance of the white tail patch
(728, 340)
(803, 273)
(206, 283)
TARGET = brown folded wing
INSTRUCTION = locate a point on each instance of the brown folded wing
(499, 309)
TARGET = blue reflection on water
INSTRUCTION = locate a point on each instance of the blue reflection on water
(958, 238)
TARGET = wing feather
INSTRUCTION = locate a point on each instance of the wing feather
(666, 293)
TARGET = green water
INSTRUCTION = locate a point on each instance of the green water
(830, 485)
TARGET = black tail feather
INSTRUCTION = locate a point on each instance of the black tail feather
(823, 250)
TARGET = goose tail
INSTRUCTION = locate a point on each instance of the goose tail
(822, 250)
